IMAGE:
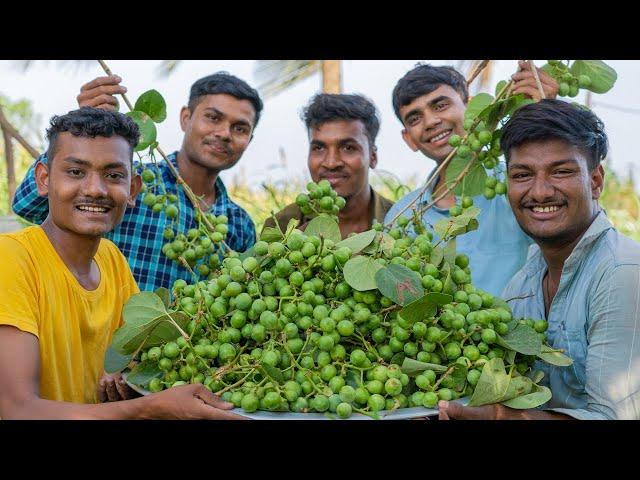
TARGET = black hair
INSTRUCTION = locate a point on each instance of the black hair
(424, 79)
(557, 120)
(327, 107)
(92, 122)
(223, 82)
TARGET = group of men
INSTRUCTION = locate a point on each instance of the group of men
(549, 245)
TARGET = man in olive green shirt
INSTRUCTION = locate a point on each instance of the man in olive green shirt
(342, 132)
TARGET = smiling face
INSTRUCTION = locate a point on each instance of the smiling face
(217, 131)
(88, 182)
(431, 119)
(551, 190)
(340, 152)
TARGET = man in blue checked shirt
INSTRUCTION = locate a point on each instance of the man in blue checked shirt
(218, 125)
(582, 276)
(430, 102)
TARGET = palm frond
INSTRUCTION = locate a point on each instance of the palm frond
(274, 76)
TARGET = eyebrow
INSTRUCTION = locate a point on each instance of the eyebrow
(86, 163)
(431, 103)
(557, 163)
(222, 114)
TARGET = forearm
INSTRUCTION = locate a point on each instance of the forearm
(41, 409)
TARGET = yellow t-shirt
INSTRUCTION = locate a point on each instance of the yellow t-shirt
(74, 326)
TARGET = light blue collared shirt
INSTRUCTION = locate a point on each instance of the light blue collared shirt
(496, 250)
(595, 318)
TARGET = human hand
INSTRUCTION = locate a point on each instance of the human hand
(495, 411)
(99, 93)
(525, 82)
(190, 402)
(113, 388)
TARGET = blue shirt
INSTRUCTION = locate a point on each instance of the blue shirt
(595, 318)
(496, 250)
(139, 235)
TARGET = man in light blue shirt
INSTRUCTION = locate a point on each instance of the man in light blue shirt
(582, 275)
(430, 102)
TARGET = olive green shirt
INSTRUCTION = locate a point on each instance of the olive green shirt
(378, 208)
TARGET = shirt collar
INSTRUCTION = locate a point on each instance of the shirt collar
(221, 190)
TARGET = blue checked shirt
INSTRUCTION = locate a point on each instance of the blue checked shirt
(139, 236)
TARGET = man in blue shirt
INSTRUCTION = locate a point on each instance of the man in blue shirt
(582, 276)
(430, 102)
(218, 123)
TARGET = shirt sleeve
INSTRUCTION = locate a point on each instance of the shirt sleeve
(18, 284)
(613, 347)
(26, 202)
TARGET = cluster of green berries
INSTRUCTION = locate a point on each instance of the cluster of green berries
(320, 199)
(568, 83)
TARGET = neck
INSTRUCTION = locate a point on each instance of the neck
(201, 180)
(355, 212)
(76, 251)
(556, 253)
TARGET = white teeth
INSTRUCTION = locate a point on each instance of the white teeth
(440, 137)
(550, 209)
(92, 209)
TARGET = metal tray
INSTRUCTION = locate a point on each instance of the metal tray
(398, 414)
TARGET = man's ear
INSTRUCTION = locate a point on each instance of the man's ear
(408, 140)
(373, 158)
(185, 115)
(42, 178)
(136, 185)
(597, 182)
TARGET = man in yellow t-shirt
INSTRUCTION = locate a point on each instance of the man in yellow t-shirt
(62, 287)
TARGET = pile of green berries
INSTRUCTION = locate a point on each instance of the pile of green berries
(568, 84)
(198, 247)
(320, 199)
(282, 330)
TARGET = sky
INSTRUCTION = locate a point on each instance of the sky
(52, 87)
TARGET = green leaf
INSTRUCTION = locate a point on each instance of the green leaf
(143, 372)
(419, 310)
(448, 227)
(399, 283)
(165, 331)
(360, 273)
(153, 104)
(510, 356)
(358, 242)
(247, 253)
(413, 367)
(352, 379)
(115, 362)
(142, 314)
(523, 339)
(450, 252)
(537, 376)
(458, 375)
(602, 76)
(274, 373)
(148, 132)
(501, 84)
(518, 386)
(492, 385)
(437, 255)
(540, 396)
(164, 295)
(472, 183)
(477, 104)
(271, 234)
(558, 359)
(398, 358)
(515, 102)
(324, 226)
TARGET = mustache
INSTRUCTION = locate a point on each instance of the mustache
(549, 203)
(97, 202)
(221, 145)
